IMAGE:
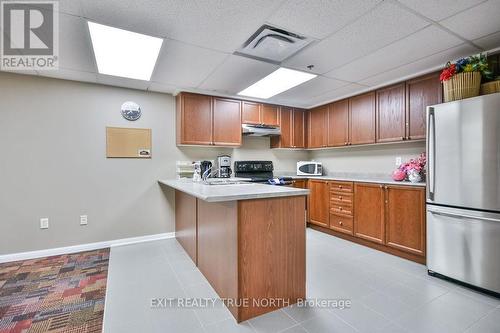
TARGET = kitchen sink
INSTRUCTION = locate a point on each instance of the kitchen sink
(215, 181)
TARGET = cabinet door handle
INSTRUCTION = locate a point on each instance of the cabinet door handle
(340, 198)
(340, 208)
(403, 138)
(340, 222)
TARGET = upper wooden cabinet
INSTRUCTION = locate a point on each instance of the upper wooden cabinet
(362, 116)
(338, 123)
(251, 113)
(194, 119)
(260, 114)
(391, 113)
(405, 218)
(318, 127)
(369, 205)
(318, 202)
(207, 120)
(420, 93)
(292, 125)
(270, 115)
(226, 122)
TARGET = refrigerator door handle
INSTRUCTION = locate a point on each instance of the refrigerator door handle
(431, 149)
(463, 216)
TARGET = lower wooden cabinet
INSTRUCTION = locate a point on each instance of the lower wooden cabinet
(369, 212)
(405, 218)
(319, 202)
(389, 218)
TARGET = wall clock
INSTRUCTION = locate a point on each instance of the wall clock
(131, 111)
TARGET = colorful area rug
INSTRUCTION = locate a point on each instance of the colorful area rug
(54, 294)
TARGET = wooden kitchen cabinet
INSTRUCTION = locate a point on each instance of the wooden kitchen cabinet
(292, 125)
(250, 113)
(194, 119)
(260, 114)
(318, 127)
(391, 113)
(319, 202)
(420, 93)
(341, 207)
(299, 128)
(369, 206)
(299, 183)
(362, 116)
(405, 218)
(226, 122)
(338, 124)
(207, 120)
(270, 115)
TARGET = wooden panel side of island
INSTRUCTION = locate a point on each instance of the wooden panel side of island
(185, 223)
(272, 253)
(218, 248)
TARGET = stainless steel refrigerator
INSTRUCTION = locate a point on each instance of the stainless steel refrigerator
(463, 191)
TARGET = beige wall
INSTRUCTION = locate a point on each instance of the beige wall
(380, 159)
(52, 164)
(52, 141)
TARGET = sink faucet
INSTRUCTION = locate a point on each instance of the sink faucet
(208, 173)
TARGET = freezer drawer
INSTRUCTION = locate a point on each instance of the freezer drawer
(464, 245)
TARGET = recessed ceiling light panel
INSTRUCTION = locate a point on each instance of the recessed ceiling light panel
(124, 53)
(278, 81)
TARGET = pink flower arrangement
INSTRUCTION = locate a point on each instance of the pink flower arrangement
(414, 164)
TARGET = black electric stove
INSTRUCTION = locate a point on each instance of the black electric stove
(256, 171)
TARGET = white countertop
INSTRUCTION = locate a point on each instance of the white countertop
(217, 193)
(354, 177)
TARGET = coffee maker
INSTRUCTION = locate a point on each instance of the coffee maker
(224, 166)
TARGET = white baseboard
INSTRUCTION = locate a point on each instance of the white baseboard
(83, 247)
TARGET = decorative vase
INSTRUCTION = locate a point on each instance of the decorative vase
(414, 176)
(462, 85)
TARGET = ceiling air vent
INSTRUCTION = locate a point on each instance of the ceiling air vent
(272, 44)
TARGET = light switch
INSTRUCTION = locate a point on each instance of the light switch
(44, 223)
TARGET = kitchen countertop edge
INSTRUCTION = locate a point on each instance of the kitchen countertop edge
(241, 192)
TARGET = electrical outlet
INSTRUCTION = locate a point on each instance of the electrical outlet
(44, 223)
(398, 161)
(83, 219)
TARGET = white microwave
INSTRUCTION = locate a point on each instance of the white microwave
(307, 168)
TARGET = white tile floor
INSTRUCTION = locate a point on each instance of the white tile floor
(388, 294)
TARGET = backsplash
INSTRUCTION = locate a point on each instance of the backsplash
(379, 159)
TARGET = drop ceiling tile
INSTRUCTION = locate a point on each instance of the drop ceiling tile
(222, 25)
(385, 24)
(236, 74)
(122, 82)
(476, 22)
(164, 88)
(308, 90)
(319, 18)
(438, 10)
(334, 95)
(430, 63)
(72, 7)
(68, 74)
(489, 42)
(185, 65)
(422, 44)
(75, 47)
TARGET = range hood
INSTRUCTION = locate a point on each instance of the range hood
(260, 130)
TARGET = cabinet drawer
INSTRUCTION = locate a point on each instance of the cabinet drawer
(341, 187)
(340, 209)
(342, 198)
(341, 223)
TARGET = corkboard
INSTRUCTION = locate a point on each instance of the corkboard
(128, 142)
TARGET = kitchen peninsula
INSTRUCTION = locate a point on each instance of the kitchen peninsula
(248, 240)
